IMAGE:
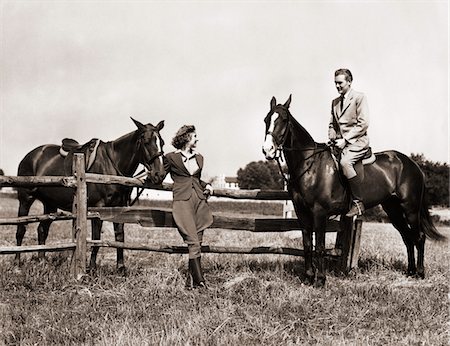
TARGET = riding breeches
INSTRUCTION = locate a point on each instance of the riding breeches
(192, 217)
(349, 156)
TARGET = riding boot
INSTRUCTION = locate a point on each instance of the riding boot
(357, 208)
(196, 273)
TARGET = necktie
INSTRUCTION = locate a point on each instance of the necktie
(342, 102)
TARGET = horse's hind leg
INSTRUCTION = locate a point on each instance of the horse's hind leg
(417, 236)
(420, 245)
(25, 202)
(43, 228)
(96, 229)
(396, 213)
(119, 235)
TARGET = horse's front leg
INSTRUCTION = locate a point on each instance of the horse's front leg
(308, 255)
(320, 223)
(96, 229)
(120, 236)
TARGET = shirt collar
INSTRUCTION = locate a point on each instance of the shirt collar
(189, 157)
(346, 94)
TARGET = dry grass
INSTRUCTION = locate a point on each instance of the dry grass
(253, 300)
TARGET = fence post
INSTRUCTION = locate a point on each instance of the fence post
(79, 231)
(348, 240)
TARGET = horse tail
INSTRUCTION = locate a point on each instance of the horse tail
(426, 222)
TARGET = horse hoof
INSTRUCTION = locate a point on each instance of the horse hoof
(91, 270)
(309, 279)
(122, 270)
(420, 275)
(320, 282)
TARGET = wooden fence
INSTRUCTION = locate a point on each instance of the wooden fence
(345, 252)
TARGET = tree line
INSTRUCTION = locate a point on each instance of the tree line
(265, 175)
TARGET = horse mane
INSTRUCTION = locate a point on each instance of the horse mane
(305, 137)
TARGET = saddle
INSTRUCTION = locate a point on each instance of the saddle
(70, 146)
(369, 157)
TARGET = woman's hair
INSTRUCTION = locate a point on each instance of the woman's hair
(346, 73)
(183, 136)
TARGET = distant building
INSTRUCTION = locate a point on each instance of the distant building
(223, 182)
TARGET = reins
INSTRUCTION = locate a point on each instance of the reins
(281, 148)
(110, 147)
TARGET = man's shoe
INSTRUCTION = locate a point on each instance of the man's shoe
(357, 209)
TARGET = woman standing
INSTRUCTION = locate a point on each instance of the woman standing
(190, 208)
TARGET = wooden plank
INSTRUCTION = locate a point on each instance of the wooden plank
(265, 195)
(268, 195)
(114, 179)
(147, 217)
(348, 240)
(36, 218)
(356, 243)
(33, 181)
(70, 181)
(173, 249)
(162, 217)
(80, 224)
(36, 248)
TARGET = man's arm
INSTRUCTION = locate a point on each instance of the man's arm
(362, 120)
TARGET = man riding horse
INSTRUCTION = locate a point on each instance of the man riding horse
(348, 131)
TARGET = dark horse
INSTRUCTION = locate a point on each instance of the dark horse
(317, 189)
(119, 157)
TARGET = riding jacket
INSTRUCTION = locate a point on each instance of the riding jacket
(352, 122)
(184, 183)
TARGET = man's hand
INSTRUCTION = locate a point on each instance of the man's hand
(332, 134)
(340, 143)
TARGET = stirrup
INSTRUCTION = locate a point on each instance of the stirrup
(357, 209)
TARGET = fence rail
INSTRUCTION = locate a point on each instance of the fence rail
(347, 241)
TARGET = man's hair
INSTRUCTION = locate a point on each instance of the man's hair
(345, 72)
(183, 136)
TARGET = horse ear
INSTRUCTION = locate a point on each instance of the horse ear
(273, 102)
(288, 102)
(160, 125)
(139, 125)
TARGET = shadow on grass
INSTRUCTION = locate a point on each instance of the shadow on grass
(373, 263)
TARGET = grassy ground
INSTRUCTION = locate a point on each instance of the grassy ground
(252, 300)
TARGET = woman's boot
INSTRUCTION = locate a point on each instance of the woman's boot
(196, 274)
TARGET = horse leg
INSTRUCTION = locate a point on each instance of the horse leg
(412, 211)
(320, 223)
(96, 225)
(43, 228)
(308, 255)
(120, 236)
(394, 210)
(420, 245)
(25, 202)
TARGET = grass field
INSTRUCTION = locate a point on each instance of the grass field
(252, 300)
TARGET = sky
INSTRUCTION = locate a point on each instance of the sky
(80, 69)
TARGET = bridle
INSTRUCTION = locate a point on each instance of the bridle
(142, 149)
(281, 147)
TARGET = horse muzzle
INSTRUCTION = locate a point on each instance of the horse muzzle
(269, 150)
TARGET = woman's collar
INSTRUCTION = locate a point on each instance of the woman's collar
(193, 153)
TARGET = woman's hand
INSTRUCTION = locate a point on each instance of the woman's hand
(208, 191)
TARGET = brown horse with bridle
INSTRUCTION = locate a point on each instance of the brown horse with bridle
(318, 190)
(118, 157)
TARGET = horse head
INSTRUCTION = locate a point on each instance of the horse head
(150, 150)
(277, 126)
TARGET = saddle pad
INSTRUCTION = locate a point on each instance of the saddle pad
(89, 150)
(369, 160)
